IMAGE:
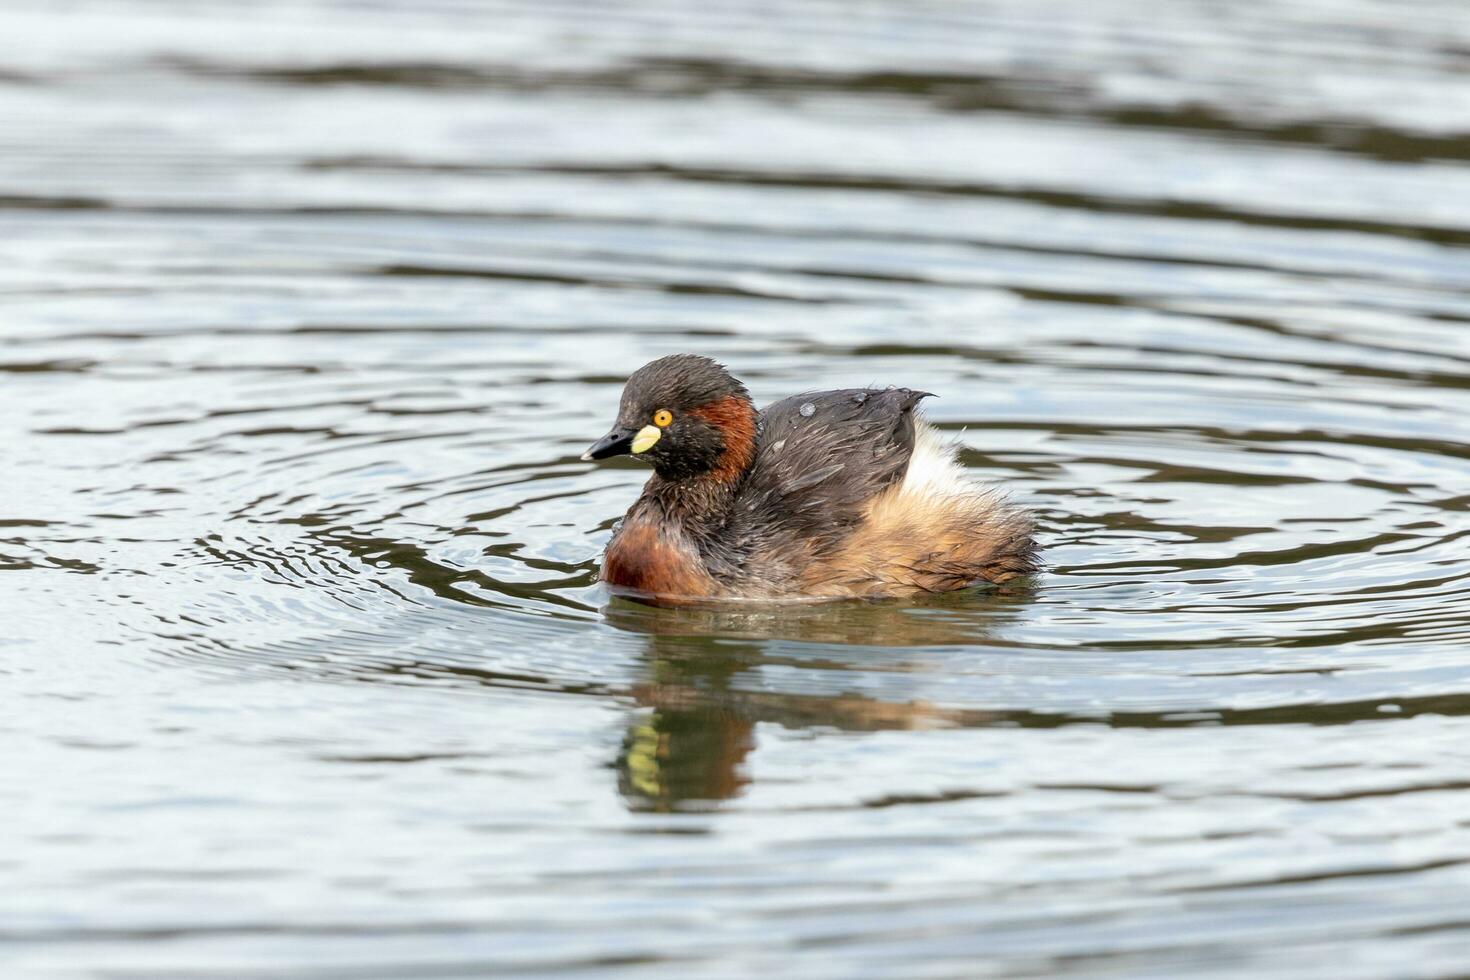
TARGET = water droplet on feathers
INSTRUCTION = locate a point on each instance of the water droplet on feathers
(807, 410)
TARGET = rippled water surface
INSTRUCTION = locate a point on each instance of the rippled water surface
(307, 309)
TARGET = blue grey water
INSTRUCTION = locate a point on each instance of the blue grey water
(308, 307)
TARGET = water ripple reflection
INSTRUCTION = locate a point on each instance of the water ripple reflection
(308, 672)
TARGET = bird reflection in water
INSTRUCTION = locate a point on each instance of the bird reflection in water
(688, 742)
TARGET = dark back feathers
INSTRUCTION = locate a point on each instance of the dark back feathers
(820, 458)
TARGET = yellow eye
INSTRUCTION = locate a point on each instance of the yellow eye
(662, 418)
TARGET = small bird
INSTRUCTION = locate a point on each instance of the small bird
(829, 494)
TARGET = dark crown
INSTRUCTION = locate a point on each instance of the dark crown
(682, 381)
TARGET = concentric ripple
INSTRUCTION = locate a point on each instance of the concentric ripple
(310, 309)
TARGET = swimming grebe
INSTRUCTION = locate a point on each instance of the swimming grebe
(826, 494)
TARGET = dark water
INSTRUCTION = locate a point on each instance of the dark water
(306, 310)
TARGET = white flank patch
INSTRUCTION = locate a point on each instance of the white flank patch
(933, 471)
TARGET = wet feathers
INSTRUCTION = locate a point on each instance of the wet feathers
(825, 494)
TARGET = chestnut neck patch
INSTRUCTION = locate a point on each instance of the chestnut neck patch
(734, 418)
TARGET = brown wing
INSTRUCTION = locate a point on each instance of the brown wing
(820, 458)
